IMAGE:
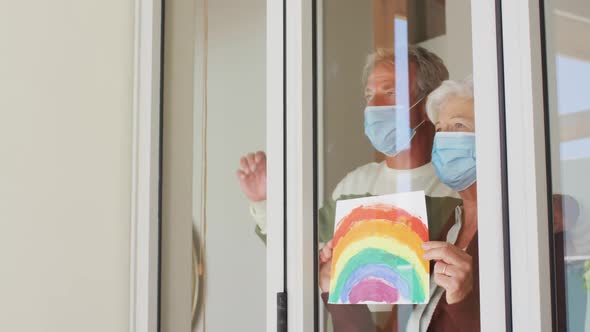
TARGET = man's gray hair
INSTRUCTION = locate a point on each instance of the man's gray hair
(441, 95)
(431, 70)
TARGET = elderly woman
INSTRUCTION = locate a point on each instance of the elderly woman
(454, 301)
(454, 288)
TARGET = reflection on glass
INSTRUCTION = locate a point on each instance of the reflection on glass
(410, 133)
(229, 180)
(568, 65)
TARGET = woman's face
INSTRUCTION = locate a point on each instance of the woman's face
(456, 115)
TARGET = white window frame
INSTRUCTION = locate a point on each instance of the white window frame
(144, 253)
(274, 158)
(299, 129)
(525, 154)
(489, 155)
(299, 236)
(274, 152)
(527, 173)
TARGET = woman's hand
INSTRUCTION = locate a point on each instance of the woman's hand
(325, 258)
(453, 269)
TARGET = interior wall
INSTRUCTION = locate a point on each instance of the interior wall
(65, 141)
(235, 269)
(345, 46)
(455, 46)
(459, 55)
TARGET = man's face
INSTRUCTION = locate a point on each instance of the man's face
(381, 87)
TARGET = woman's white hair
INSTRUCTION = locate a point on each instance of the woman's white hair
(441, 95)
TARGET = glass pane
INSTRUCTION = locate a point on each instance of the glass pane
(388, 126)
(230, 165)
(568, 73)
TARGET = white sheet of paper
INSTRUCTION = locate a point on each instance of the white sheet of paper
(412, 202)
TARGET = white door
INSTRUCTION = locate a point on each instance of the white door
(328, 154)
(286, 78)
(546, 70)
(220, 201)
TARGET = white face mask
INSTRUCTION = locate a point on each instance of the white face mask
(453, 157)
(387, 128)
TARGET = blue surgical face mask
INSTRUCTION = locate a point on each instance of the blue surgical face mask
(453, 157)
(387, 128)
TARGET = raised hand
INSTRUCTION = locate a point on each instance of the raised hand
(252, 176)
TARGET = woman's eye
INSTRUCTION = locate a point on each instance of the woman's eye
(390, 93)
(459, 125)
(368, 97)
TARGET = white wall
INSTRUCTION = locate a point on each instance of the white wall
(234, 256)
(65, 141)
(459, 50)
(347, 40)
(454, 47)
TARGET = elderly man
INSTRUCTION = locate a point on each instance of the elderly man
(401, 132)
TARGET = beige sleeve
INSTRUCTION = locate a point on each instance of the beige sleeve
(351, 183)
(338, 191)
(258, 212)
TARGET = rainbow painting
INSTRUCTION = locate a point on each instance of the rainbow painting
(377, 250)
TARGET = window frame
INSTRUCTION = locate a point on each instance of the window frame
(529, 190)
(301, 109)
(145, 219)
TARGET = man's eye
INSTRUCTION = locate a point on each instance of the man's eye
(368, 97)
(459, 125)
(391, 93)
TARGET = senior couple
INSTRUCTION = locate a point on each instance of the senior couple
(429, 145)
(454, 288)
